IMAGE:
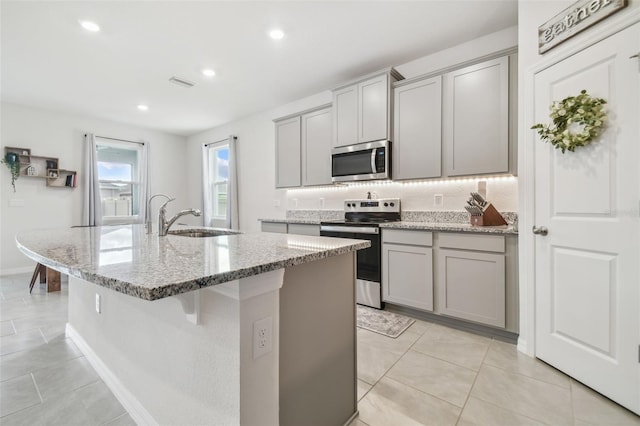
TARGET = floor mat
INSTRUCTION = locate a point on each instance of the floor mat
(382, 322)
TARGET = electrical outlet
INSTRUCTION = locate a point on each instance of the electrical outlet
(276, 203)
(262, 337)
(321, 203)
(98, 304)
(438, 200)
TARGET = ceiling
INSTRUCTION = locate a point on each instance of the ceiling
(48, 60)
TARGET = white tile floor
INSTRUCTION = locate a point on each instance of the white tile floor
(430, 375)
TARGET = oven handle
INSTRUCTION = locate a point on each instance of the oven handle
(351, 229)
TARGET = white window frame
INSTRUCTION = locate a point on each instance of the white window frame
(135, 180)
(215, 182)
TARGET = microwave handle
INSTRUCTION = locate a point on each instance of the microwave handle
(373, 160)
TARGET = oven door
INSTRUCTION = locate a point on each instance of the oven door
(369, 274)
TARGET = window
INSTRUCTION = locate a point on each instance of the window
(219, 179)
(120, 177)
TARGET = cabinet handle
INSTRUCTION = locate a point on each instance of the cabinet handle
(540, 231)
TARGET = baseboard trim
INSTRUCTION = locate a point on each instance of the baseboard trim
(15, 271)
(503, 335)
(135, 409)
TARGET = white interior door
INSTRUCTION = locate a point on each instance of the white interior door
(587, 267)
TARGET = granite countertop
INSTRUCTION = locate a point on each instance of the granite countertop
(304, 221)
(127, 260)
(451, 227)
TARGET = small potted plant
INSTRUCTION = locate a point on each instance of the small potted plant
(13, 164)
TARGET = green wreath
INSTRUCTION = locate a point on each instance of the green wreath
(577, 121)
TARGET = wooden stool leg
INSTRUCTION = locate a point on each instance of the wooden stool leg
(43, 274)
(36, 272)
(53, 280)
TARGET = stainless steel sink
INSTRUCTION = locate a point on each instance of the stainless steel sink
(201, 233)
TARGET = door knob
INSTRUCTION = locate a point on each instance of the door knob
(540, 231)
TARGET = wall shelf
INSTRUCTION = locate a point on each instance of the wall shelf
(43, 167)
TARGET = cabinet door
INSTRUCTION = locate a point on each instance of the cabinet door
(476, 121)
(407, 275)
(373, 109)
(345, 116)
(417, 129)
(304, 229)
(278, 227)
(316, 147)
(288, 153)
(471, 285)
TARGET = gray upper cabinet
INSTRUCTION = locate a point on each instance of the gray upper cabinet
(362, 110)
(373, 108)
(345, 116)
(316, 147)
(288, 152)
(476, 119)
(417, 124)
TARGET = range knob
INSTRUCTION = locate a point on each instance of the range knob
(386, 204)
(392, 204)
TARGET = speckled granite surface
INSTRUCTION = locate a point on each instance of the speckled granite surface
(453, 221)
(451, 227)
(309, 217)
(126, 259)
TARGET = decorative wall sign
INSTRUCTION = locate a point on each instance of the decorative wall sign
(578, 17)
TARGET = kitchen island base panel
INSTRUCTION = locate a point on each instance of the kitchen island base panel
(318, 343)
(176, 372)
(179, 372)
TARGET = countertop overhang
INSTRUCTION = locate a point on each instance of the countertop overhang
(126, 259)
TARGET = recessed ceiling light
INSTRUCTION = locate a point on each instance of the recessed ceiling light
(208, 72)
(143, 107)
(90, 26)
(276, 34)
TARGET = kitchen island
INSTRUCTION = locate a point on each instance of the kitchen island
(235, 329)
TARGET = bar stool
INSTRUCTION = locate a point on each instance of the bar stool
(47, 275)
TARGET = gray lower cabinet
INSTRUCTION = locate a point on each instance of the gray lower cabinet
(288, 152)
(407, 268)
(304, 229)
(472, 284)
(417, 129)
(277, 227)
(469, 276)
(291, 228)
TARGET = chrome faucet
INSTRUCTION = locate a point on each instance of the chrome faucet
(164, 224)
(148, 223)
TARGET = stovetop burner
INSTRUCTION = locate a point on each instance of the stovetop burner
(369, 212)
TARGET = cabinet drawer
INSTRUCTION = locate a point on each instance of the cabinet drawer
(304, 229)
(399, 236)
(279, 227)
(472, 242)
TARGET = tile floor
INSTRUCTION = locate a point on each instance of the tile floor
(44, 378)
(430, 375)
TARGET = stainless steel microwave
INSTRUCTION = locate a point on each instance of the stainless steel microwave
(364, 161)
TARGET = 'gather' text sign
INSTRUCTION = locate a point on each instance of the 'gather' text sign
(579, 16)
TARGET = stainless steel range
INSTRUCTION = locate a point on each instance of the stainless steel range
(361, 221)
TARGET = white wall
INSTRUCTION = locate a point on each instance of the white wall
(256, 153)
(61, 135)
